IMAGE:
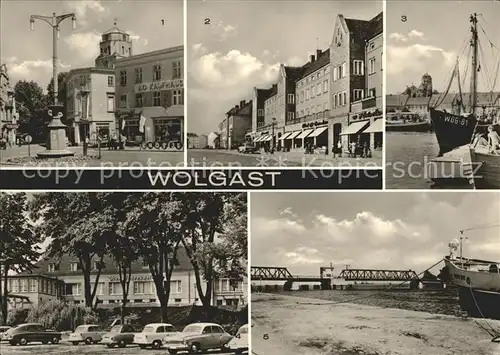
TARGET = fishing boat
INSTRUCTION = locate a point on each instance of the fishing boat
(401, 123)
(457, 128)
(478, 282)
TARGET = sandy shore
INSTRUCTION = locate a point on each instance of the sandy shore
(285, 325)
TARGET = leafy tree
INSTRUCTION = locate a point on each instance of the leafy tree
(76, 225)
(215, 237)
(122, 245)
(32, 106)
(61, 88)
(154, 219)
(19, 248)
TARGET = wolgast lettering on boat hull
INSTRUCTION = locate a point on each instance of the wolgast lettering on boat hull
(452, 131)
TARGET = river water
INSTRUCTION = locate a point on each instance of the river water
(406, 156)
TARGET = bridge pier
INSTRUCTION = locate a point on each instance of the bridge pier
(288, 285)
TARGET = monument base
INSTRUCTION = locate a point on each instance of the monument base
(55, 154)
(56, 142)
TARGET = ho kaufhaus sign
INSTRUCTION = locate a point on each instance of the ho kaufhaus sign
(174, 84)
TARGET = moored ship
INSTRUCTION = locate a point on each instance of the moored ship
(478, 282)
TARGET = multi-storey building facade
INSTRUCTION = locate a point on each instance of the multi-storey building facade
(233, 129)
(64, 280)
(258, 108)
(223, 132)
(312, 89)
(152, 85)
(197, 141)
(90, 103)
(8, 114)
(90, 92)
(356, 56)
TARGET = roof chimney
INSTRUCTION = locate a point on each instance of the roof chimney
(236, 107)
(242, 103)
(312, 58)
(318, 53)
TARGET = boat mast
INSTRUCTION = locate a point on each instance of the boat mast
(474, 43)
(461, 242)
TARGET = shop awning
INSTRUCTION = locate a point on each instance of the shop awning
(259, 138)
(318, 131)
(355, 127)
(293, 135)
(376, 126)
(305, 133)
(267, 138)
(285, 135)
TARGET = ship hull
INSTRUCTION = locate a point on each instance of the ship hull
(408, 127)
(479, 303)
(487, 175)
(452, 131)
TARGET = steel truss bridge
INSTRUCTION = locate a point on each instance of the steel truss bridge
(378, 275)
(272, 273)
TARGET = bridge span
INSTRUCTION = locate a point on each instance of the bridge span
(272, 273)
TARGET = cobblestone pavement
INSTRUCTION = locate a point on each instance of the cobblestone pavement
(129, 158)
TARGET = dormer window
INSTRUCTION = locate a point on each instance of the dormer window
(52, 267)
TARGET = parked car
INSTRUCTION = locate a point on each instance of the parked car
(87, 333)
(31, 332)
(198, 336)
(248, 148)
(3, 329)
(121, 335)
(239, 343)
(153, 335)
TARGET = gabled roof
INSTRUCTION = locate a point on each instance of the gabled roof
(424, 100)
(364, 30)
(398, 100)
(311, 67)
(110, 267)
(293, 73)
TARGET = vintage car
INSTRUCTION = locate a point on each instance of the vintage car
(31, 332)
(121, 335)
(3, 329)
(196, 337)
(239, 343)
(153, 335)
(87, 333)
(248, 148)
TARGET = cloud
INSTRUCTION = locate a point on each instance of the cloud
(400, 37)
(86, 9)
(223, 70)
(198, 49)
(224, 31)
(32, 69)
(304, 255)
(86, 44)
(418, 57)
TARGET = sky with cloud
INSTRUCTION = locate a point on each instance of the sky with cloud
(432, 37)
(380, 230)
(244, 43)
(28, 54)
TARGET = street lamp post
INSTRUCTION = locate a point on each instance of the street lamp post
(272, 135)
(56, 142)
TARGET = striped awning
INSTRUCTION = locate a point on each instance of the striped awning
(318, 131)
(267, 138)
(293, 135)
(285, 135)
(376, 126)
(305, 133)
(258, 139)
(355, 127)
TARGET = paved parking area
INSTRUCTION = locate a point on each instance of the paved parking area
(66, 348)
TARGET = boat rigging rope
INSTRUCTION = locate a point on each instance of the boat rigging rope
(493, 333)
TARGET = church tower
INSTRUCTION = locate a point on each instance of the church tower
(115, 44)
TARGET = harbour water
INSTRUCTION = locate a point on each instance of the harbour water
(406, 156)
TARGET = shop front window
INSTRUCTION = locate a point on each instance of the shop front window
(168, 129)
(132, 132)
